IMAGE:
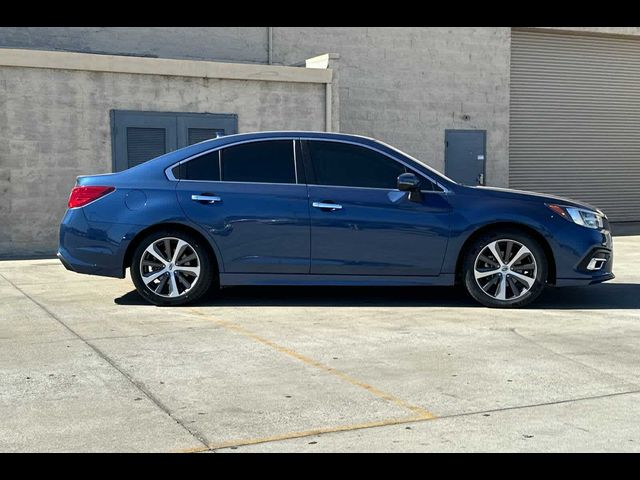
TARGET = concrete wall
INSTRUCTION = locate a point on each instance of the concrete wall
(55, 125)
(237, 44)
(407, 85)
(404, 85)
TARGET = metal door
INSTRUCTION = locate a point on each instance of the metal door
(465, 152)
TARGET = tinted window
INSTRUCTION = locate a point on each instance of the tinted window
(427, 185)
(263, 162)
(205, 167)
(353, 166)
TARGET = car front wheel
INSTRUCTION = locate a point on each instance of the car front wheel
(505, 269)
(171, 268)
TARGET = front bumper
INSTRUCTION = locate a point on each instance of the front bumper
(583, 257)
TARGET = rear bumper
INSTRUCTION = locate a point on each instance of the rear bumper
(66, 264)
(78, 266)
(94, 248)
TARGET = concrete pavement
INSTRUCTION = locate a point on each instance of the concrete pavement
(86, 365)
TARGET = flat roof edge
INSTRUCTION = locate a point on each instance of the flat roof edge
(16, 57)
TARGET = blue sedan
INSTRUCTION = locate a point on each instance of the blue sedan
(312, 208)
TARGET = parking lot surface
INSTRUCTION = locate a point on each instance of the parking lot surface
(86, 365)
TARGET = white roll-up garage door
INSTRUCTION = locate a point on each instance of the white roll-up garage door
(575, 119)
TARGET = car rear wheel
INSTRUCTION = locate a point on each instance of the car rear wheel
(171, 268)
(505, 269)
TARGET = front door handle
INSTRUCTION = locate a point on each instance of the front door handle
(206, 198)
(326, 206)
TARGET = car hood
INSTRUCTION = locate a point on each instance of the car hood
(531, 196)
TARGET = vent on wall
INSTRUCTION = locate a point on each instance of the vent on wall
(144, 144)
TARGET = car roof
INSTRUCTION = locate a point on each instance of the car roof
(169, 159)
(286, 134)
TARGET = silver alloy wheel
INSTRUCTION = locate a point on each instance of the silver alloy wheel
(505, 269)
(170, 267)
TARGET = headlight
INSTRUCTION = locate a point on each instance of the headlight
(581, 216)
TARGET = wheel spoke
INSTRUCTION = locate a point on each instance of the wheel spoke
(487, 273)
(161, 284)
(494, 250)
(520, 254)
(520, 268)
(151, 250)
(167, 248)
(173, 287)
(179, 250)
(150, 278)
(193, 270)
(187, 259)
(501, 294)
(507, 251)
(514, 288)
(523, 278)
(491, 283)
(182, 280)
(487, 260)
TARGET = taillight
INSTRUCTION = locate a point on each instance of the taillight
(80, 196)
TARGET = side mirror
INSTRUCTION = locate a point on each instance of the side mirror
(408, 182)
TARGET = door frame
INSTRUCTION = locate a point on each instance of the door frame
(339, 278)
(484, 148)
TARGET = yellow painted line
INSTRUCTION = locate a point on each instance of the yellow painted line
(420, 412)
(305, 433)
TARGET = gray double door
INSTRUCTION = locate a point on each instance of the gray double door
(141, 136)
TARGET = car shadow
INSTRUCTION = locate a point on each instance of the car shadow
(604, 296)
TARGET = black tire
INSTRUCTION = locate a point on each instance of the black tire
(205, 279)
(520, 295)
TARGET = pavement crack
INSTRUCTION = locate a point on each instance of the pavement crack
(573, 360)
(394, 422)
(138, 385)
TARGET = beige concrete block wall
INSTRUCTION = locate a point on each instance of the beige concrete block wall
(406, 85)
(233, 44)
(55, 125)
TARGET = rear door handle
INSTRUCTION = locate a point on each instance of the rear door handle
(326, 206)
(206, 198)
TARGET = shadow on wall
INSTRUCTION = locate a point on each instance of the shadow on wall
(610, 296)
(625, 229)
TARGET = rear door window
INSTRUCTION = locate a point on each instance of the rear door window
(204, 168)
(269, 161)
